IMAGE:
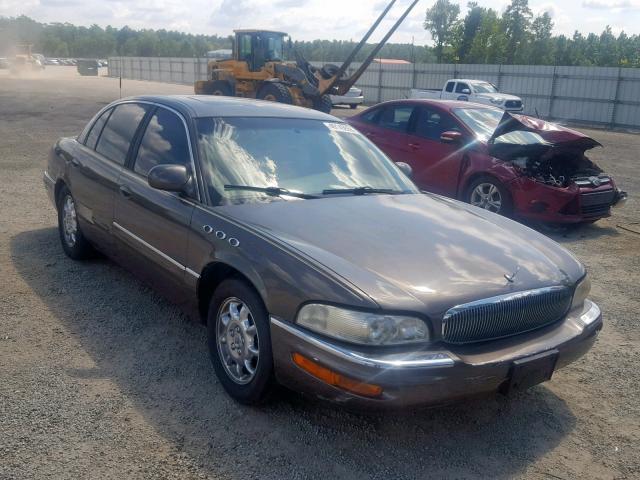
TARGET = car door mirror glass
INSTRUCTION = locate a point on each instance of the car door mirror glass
(172, 178)
(451, 136)
(405, 168)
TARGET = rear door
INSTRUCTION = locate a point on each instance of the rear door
(152, 225)
(436, 165)
(389, 130)
(94, 171)
(448, 93)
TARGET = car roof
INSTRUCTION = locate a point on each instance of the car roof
(218, 106)
(442, 104)
(469, 80)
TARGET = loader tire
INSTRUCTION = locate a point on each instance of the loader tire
(275, 92)
(323, 104)
(220, 88)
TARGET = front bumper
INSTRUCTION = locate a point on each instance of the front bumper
(49, 185)
(430, 376)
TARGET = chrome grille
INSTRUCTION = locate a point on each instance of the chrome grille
(505, 315)
(596, 203)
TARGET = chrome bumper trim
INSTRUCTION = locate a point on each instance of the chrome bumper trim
(419, 359)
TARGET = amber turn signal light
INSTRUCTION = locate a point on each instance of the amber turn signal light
(336, 379)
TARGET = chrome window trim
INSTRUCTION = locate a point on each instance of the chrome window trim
(155, 250)
(427, 360)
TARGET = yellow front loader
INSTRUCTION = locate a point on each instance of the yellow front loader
(258, 69)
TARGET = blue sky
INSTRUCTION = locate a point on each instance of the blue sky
(305, 19)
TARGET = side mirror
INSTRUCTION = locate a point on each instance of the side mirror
(466, 91)
(406, 168)
(172, 178)
(451, 136)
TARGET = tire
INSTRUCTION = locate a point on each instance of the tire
(73, 241)
(240, 341)
(220, 88)
(275, 92)
(323, 104)
(329, 70)
(353, 106)
(489, 193)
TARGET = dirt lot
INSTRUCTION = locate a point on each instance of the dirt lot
(102, 378)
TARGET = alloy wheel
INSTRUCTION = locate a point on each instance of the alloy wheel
(69, 221)
(487, 196)
(237, 340)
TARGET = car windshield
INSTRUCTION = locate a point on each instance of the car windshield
(484, 121)
(304, 156)
(484, 87)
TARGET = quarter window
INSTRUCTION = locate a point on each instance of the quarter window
(96, 129)
(120, 129)
(164, 141)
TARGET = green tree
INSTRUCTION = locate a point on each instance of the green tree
(541, 44)
(469, 29)
(441, 21)
(517, 24)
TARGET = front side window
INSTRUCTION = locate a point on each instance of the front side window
(461, 86)
(306, 156)
(431, 124)
(115, 140)
(396, 117)
(96, 129)
(164, 142)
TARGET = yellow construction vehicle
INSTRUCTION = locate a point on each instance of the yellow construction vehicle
(25, 61)
(258, 69)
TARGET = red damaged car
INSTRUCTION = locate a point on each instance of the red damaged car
(509, 164)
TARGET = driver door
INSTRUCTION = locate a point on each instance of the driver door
(436, 165)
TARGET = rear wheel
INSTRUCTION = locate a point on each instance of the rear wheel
(275, 92)
(488, 193)
(240, 342)
(74, 243)
(353, 106)
(323, 104)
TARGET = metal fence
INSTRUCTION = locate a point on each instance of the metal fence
(596, 95)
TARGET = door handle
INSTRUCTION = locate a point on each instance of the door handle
(125, 192)
(414, 146)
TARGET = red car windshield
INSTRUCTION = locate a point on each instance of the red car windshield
(484, 121)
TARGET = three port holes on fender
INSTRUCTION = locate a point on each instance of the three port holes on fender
(234, 242)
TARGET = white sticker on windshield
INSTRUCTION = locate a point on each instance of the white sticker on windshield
(340, 127)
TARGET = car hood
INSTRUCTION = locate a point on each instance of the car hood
(551, 132)
(413, 252)
(498, 95)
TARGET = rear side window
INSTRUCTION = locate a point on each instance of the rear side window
(461, 86)
(396, 117)
(370, 116)
(96, 129)
(449, 87)
(120, 129)
(164, 141)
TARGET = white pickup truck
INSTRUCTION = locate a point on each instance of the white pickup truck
(477, 91)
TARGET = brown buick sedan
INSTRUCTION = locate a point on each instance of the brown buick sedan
(312, 258)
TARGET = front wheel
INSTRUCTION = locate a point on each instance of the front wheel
(240, 342)
(488, 193)
(275, 92)
(323, 104)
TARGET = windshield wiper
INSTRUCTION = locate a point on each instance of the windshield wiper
(271, 191)
(360, 191)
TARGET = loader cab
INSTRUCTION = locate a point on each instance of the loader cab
(257, 47)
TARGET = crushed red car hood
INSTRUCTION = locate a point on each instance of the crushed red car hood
(550, 132)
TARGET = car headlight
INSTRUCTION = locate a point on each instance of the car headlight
(363, 327)
(581, 292)
(497, 101)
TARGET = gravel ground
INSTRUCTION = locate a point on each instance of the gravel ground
(102, 378)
